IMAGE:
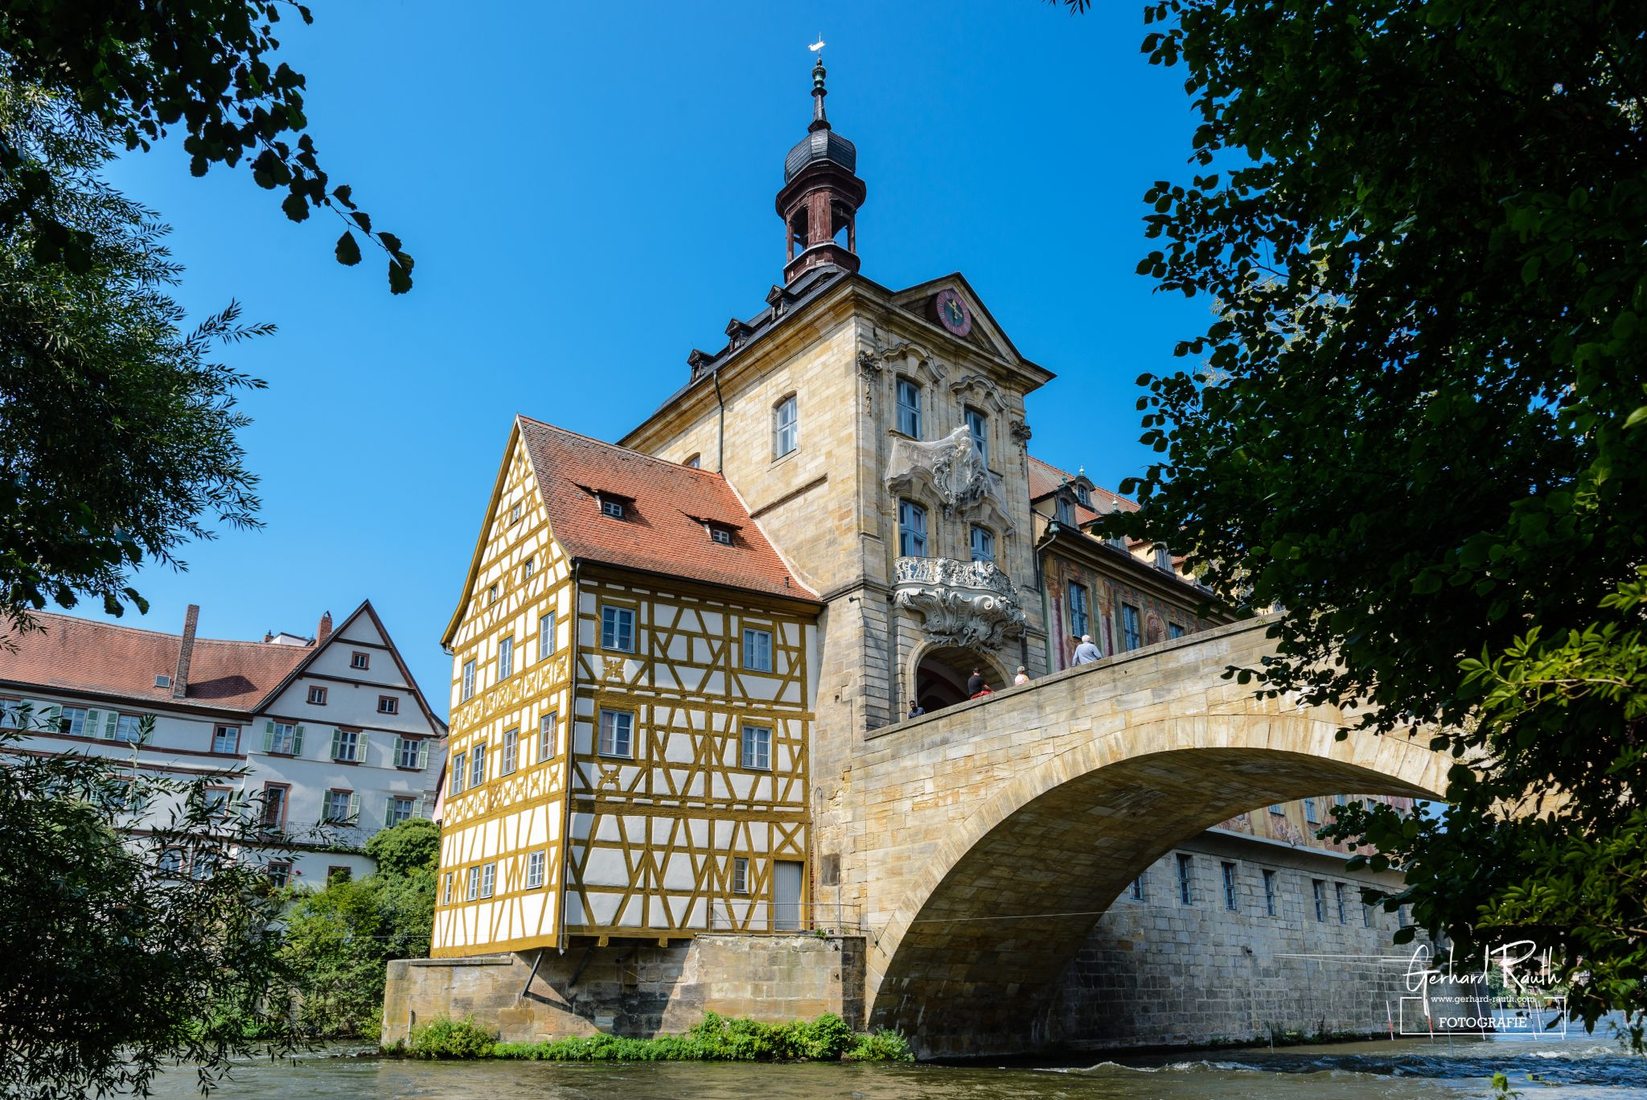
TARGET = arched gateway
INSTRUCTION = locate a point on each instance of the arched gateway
(990, 839)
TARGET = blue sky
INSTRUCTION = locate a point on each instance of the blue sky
(588, 192)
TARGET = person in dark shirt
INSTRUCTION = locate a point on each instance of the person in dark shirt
(976, 685)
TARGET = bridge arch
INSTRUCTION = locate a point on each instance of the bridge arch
(1021, 818)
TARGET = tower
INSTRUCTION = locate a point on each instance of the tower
(821, 194)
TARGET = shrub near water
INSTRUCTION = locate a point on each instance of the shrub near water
(715, 1039)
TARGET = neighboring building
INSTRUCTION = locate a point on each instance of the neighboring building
(326, 739)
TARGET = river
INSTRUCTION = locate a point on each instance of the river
(1579, 1068)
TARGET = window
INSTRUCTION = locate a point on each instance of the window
(283, 738)
(317, 695)
(1341, 799)
(357, 659)
(446, 888)
(1310, 813)
(488, 879)
(171, 862)
(1136, 890)
(1064, 509)
(474, 883)
(346, 746)
(514, 514)
(983, 543)
(411, 752)
(617, 728)
(506, 657)
(611, 506)
(492, 593)
(1278, 810)
(511, 751)
(468, 690)
(273, 813)
(279, 872)
(455, 785)
(1232, 901)
(1174, 630)
(1343, 909)
(1186, 880)
(534, 870)
(1080, 622)
(977, 426)
(757, 748)
(1131, 632)
(617, 629)
(477, 765)
(1319, 888)
(398, 810)
(693, 461)
(1269, 893)
(1401, 916)
(339, 807)
(527, 568)
(548, 735)
(722, 535)
(546, 634)
(740, 875)
(909, 408)
(388, 704)
(125, 727)
(1366, 915)
(911, 529)
(13, 713)
(217, 802)
(785, 427)
(77, 721)
(1083, 494)
(1163, 559)
(224, 738)
(757, 649)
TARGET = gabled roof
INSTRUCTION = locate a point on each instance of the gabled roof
(78, 655)
(1045, 478)
(662, 530)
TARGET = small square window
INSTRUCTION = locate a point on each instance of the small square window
(317, 695)
(399, 810)
(279, 872)
(411, 752)
(492, 593)
(514, 514)
(528, 567)
(346, 746)
(757, 649)
(722, 535)
(740, 875)
(339, 807)
(617, 629)
(388, 704)
(610, 507)
(224, 738)
(357, 659)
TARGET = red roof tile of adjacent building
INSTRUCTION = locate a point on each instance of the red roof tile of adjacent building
(667, 508)
(77, 655)
(1044, 479)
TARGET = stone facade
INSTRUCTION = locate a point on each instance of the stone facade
(639, 989)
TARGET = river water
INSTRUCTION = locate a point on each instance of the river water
(1578, 1068)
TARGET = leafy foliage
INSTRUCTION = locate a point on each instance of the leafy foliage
(129, 951)
(339, 939)
(117, 432)
(140, 70)
(715, 1039)
(1417, 420)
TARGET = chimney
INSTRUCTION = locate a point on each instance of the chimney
(324, 631)
(185, 652)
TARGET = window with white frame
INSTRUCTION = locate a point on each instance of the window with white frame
(346, 745)
(217, 800)
(488, 879)
(454, 783)
(548, 735)
(786, 427)
(317, 695)
(338, 808)
(77, 721)
(506, 657)
(360, 660)
(477, 765)
(446, 888)
(511, 751)
(757, 748)
(740, 875)
(757, 649)
(514, 514)
(983, 543)
(535, 862)
(411, 752)
(128, 728)
(11, 714)
(474, 883)
(617, 730)
(224, 738)
(546, 634)
(527, 568)
(388, 704)
(611, 506)
(909, 407)
(977, 426)
(279, 872)
(1080, 619)
(617, 629)
(911, 529)
(273, 811)
(467, 691)
(399, 809)
(283, 738)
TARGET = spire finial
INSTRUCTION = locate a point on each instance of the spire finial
(820, 121)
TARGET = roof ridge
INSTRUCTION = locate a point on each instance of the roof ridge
(99, 624)
(711, 474)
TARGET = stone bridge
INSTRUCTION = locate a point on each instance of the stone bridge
(986, 840)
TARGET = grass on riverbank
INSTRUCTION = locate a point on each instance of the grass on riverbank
(714, 1039)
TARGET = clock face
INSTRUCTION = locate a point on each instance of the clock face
(953, 313)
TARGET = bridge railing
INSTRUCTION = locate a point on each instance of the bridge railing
(783, 918)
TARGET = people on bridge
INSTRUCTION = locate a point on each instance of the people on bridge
(1086, 652)
(1022, 676)
(915, 709)
(976, 686)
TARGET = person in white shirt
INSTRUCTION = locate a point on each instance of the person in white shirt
(1086, 652)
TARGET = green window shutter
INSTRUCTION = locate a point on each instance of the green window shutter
(422, 755)
(360, 746)
(268, 736)
(90, 728)
(297, 741)
(111, 722)
(354, 808)
(337, 742)
(400, 746)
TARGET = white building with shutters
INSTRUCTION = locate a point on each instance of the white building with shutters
(325, 740)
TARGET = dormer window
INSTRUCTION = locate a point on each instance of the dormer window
(1065, 509)
(1163, 559)
(1083, 495)
(611, 507)
(722, 535)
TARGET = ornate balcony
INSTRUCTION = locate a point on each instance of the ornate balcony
(962, 603)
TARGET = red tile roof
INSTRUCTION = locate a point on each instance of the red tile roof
(72, 655)
(1044, 479)
(666, 506)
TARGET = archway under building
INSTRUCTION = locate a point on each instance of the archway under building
(941, 673)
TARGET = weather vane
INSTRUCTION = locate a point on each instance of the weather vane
(818, 45)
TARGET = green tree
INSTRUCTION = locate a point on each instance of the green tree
(339, 939)
(140, 69)
(117, 432)
(1416, 420)
(127, 951)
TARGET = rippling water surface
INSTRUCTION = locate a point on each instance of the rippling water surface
(1589, 1068)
